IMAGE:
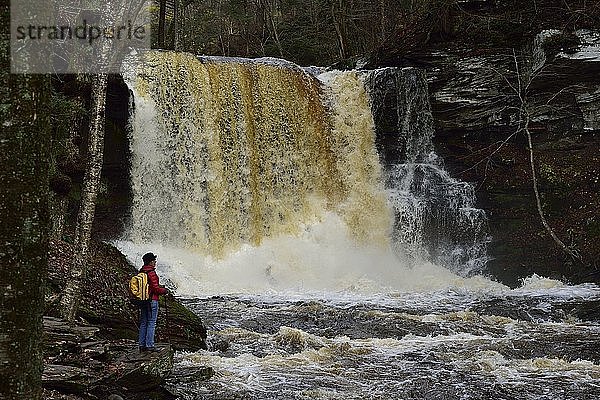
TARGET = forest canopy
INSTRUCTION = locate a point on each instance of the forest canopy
(323, 32)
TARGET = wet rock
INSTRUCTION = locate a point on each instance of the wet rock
(57, 329)
(142, 371)
(219, 344)
(195, 374)
(69, 379)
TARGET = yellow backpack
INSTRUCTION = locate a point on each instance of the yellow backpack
(139, 289)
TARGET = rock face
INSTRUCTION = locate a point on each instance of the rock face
(106, 303)
(475, 103)
(474, 90)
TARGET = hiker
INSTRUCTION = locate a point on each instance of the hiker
(149, 312)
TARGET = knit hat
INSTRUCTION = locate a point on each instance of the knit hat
(148, 257)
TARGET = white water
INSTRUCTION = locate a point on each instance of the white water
(435, 214)
(244, 153)
(452, 343)
(322, 259)
(294, 266)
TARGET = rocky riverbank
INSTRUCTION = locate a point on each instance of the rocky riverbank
(98, 356)
(79, 364)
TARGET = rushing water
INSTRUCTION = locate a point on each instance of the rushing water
(531, 343)
(429, 334)
(324, 267)
(435, 214)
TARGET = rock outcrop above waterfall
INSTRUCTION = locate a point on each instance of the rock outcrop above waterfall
(473, 90)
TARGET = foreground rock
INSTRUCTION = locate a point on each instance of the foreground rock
(98, 357)
(78, 363)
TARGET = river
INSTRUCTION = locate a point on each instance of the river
(536, 342)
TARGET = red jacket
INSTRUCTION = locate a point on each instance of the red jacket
(155, 289)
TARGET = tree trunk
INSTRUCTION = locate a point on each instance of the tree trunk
(58, 211)
(83, 230)
(382, 20)
(338, 23)
(176, 24)
(268, 12)
(538, 202)
(272, 11)
(525, 77)
(25, 140)
(162, 14)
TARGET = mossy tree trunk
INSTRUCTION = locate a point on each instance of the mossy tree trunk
(25, 141)
(85, 217)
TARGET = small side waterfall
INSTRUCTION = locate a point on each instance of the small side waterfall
(232, 152)
(435, 213)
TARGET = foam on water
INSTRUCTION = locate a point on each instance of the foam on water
(343, 367)
(323, 258)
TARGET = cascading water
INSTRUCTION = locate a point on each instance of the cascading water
(435, 214)
(228, 153)
(282, 217)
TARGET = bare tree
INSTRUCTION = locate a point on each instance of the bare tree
(269, 10)
(522, 90)
(338, 23)
(526, 71)
(71, 295)
(162, 13)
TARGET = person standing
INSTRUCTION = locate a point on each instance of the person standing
(149, 313)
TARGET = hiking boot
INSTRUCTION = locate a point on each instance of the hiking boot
(143, 349)
(152, 349)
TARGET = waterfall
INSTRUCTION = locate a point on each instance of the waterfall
(228, 153)
(232, 152)
(435, 214)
